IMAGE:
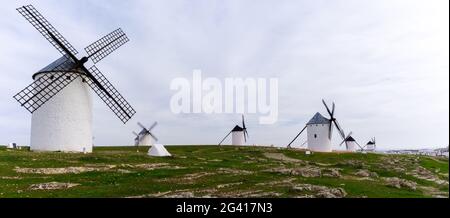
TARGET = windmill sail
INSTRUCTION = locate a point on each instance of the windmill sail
(112, 98)
(295, 138)
(220, 143)
(62, 72)
(106, 45)
(43, 89)
(47, 30)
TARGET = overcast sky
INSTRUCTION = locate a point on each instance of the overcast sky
(385, 63)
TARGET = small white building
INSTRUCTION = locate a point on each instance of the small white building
(158, 150)
(12, 145)
(318, 134)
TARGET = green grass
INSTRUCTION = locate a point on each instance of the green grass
(213, 162)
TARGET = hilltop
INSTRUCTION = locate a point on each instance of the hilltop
(212, 171)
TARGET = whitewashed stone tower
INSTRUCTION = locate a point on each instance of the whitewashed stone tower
(237, 136)
(318, 131)
(64, 123)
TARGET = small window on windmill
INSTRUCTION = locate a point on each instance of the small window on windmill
(315, 135)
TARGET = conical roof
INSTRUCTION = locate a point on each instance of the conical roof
(237, 129)
(62, 63)
(350, 139)
(318, 119)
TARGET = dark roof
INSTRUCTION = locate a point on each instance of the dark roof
(350, 139)
(237, 129)
(370, 143)
(62, 63)
(143, 132)
(318, 119)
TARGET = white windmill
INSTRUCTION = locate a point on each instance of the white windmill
(239, 134)
(12, 145)
(371, 145)
(320, 130)
(145, 136)
(60, 99)
(351, 144)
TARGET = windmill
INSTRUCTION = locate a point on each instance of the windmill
(239, 134)
(59, 98)
(350, 143)
(145, 136)
(320, 130)
(371, 145)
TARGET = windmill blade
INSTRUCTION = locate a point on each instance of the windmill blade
(153, 126)
(142, 126)
(112, 98)
(220, 143)
(328, 109)
(44, 88)
(342, 142)
(332, 109)
(330, 130)
(293, 140)
(154, 137)
(362, 148)
(106, 45)
(341, 132)
(134, 133)
(47, 30)
(245, 129)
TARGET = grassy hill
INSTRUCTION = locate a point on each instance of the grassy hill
(212, 171)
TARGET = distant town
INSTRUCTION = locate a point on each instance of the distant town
(440, 152)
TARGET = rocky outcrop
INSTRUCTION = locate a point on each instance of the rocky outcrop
(52, 186)
(400, 183)
(320, 191)
(366, 173)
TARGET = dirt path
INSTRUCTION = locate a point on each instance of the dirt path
(282, 157)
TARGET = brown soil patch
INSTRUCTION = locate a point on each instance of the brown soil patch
(63, 170)
(282, 157)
